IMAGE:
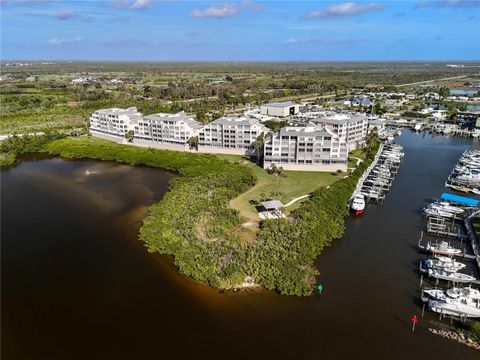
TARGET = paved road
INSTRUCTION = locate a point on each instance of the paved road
(431, 81)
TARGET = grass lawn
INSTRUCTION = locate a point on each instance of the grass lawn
(357, 153)
(353, 157)
(294, 184)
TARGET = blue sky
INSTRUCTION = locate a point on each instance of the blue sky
(240, 30)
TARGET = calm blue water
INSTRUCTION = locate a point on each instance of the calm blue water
(77, 283)
(463, 92)
(473, 107)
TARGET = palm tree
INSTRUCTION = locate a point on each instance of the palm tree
(129, 136)
(259, 141)
(193, 142)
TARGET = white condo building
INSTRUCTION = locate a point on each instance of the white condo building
(173, 129)
(231, 134)
(306, 149)
(350, 128)
(114, 122)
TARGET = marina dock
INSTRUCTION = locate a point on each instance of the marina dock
(379, 176)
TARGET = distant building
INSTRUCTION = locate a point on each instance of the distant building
(468, 119)
(361, 101)
(352, 129)
(305, 149)
(376, 124)
(83, 80)
(116, 81)
(280, 109)
(114, 122)
(237, 134)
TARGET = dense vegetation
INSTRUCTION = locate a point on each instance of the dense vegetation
(475, 331)
(13, 146)
(194, 223)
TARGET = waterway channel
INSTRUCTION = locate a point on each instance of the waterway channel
(77, 284)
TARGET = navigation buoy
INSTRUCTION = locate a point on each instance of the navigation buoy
(319, 288)
(414, 321)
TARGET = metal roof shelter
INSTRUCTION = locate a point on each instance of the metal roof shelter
(272, 205)
(459, 199)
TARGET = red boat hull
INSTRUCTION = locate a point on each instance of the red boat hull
(358, 212)
(440, 252)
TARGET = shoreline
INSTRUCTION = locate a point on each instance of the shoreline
(216, 182)
(456, 335)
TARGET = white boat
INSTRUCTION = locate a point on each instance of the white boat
(449, 207)
(443, 209)
(417, 127)
(443, 248)
(455, 277)
(463, 302)
(444, 263)
(459, 307)
(453, 293)
(438, 213)
(358, 204)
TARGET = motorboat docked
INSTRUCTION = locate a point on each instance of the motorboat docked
(381, 175)
(460, 307)
(462, 302)
(455, 277)
(357, 204)
(449, 207)
(465, 176)
(429, 212)
(453, 293)
(444, 263)
(443, 248)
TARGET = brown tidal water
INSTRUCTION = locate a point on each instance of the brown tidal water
(77, 284)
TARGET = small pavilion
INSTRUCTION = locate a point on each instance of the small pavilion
(272, 210)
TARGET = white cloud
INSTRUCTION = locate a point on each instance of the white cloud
(135, 4)
(140, 4)
(119, 4)
(218, 12)
(343, 10)
(28, 2)
(446, 4)
(57, 41)
(65, 14)
(325, 41)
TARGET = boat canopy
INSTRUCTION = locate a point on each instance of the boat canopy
(459, 199)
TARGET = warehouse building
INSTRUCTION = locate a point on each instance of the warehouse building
(280, 109)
